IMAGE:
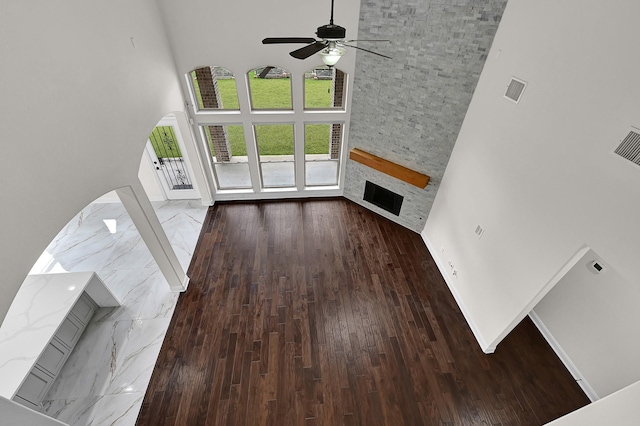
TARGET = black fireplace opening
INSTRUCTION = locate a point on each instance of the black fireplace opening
(383, 198)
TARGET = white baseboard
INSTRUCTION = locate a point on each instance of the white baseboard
(579, 378)
(449, 280)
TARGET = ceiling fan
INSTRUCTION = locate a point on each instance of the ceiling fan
(331, 45)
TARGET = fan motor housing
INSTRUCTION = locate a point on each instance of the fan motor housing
(331, 32)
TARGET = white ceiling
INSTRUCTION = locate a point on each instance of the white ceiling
(229, 34)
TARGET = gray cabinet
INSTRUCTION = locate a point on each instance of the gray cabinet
(53, 357)
(69, 331)
(34, 388)
(37, 383)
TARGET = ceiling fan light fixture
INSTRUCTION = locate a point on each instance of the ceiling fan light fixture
(331, 45)
(332, 54)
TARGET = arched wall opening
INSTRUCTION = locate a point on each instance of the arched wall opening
(112, 244)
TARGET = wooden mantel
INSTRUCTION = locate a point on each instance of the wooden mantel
(392, 169)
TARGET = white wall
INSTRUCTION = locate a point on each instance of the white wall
(77, 101)
(540, 175)
(148, 179)
(593, 318)
(620, 409)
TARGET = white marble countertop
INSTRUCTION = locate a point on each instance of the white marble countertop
(39, 308)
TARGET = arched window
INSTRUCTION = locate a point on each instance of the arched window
(324, 88)
(270, 88)
(214, 88)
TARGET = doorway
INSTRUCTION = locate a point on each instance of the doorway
(165, 149)
(590, 319)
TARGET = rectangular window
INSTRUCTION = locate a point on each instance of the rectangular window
(322, 143)
(275, 151)
(229, 154)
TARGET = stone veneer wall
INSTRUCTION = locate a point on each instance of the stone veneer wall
(409, 109)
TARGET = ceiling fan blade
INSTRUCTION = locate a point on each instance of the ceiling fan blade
(265, 71)
(367, 50)
(284, 40)
(351, 41)
(305, 52)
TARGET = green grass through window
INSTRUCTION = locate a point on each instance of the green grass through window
(164, 142)
(318, 93)
(275, 93)
(316, 138)
(228, 93)
(270, 93)
(275, 139)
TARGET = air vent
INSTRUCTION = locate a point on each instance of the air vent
(630, 147)
(515, 89)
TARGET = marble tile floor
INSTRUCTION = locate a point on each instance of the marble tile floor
(104, 380)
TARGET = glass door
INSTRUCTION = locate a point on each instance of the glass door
(164, 149)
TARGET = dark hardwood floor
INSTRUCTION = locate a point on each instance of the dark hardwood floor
(319, 312)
